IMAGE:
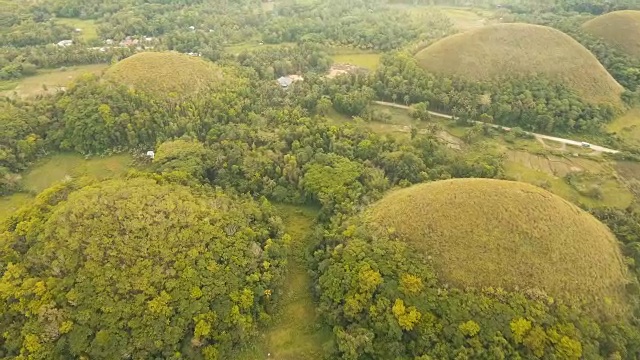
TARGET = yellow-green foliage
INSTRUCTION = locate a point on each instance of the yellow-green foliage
(517, 50)
(167, 73)
(619, 28)
(496, 233)
(134, 268)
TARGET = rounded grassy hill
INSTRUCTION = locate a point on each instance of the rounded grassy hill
(506, 51)
(496, 233)
(166, 72)
(620, 29)
(132, 269)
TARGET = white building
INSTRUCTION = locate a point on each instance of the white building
(65, 43)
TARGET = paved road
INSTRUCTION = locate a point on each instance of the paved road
(538, 136)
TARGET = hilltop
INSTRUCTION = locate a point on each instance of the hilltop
(496, 233)
(620, 29)
(520, 50)
(166, 72)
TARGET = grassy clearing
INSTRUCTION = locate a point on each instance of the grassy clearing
(369, 61)
(49, 81)
(253, 44)
(613, 192)
(296, 333)
(627, 126)
(62, 166)
(507, 234)
(58, 168)
(88, 27)
(516, 50)
(619, 28)
(466, 19)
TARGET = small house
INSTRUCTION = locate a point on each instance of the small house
(286, 81)
(151, 154)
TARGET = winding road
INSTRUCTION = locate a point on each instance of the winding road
(537, 136)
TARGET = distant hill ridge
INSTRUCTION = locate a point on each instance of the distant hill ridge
(620, 29)
(163, 73)
(520, 50)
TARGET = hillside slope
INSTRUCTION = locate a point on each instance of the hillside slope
(166, 72)
(620, 29)
(519, 50)
(495, 233)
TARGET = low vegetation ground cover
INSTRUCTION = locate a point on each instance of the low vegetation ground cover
(627, 126)
(88, 28)
(67, 166)
(60, 167)
(48, 81)
(297, 332)
(362, 59)
(523, 237)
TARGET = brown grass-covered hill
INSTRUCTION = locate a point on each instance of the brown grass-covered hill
(520, 50)
(165, 73)
(620, 29)
(497, 233)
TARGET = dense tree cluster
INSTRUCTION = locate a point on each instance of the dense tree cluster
(136, 269)
(531, 103)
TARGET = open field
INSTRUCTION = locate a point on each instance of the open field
(88, 27)
(362, 59)
(613, 192)
(466, 19)
(296, 333)
(517, 50)
(60, 167)
(48, 81)
(249, 45)
(627, 126)
(523, 237)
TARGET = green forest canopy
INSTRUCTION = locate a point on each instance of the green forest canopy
(135, 268)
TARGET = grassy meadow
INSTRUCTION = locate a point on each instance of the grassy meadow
(47, 81)
(60, 167)
(296, 333)
(366, 60)
(627, 126)
(524, 237)
(88, 27)
(65, 166)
